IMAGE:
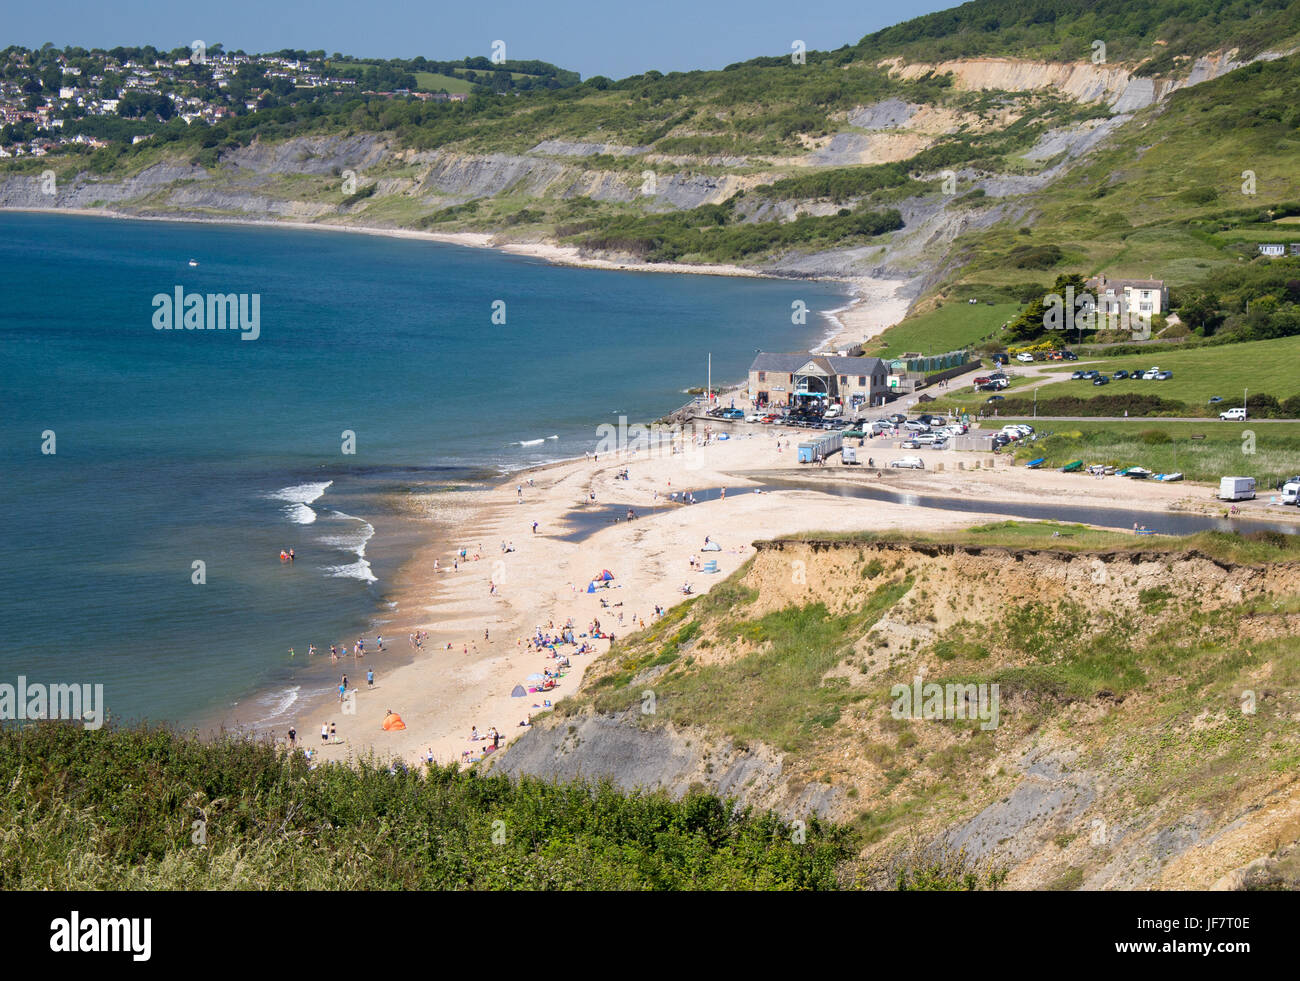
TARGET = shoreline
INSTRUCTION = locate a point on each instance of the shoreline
(443, 692)
(849, 323)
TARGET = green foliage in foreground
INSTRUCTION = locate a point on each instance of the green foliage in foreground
(115, 809)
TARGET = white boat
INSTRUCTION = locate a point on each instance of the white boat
(194, 262)
(1138, 473)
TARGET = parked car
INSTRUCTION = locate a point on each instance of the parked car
(1120, 374)
(1215, 399)
(1079, 374)
(910, 462)
(897, 418)
(995, 398)
(916, 427)
(1094, 373)
(753, 417)
(1164, 375)
(1233, 415)
(925, 439)
(1025, 357)
(733, 414)
(1069, 356)
(1101, 380)
(1151, 374)
(910, 444)
(940, 442)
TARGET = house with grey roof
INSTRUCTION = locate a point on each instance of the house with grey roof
(794, 379)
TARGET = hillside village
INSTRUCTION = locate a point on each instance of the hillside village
(76, 97)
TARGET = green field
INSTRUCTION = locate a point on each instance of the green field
(1267, 451)
(951, 327)
(1227, 371)
(431, 82)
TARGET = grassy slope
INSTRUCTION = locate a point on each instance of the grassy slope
(824, 702)
(1261, 366)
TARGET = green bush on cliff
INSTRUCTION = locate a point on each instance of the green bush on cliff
(122, 808)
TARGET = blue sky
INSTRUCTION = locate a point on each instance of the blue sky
(595, 37)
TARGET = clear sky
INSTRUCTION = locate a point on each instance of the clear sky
(595, 37)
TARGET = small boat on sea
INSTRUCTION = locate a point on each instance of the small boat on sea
(1168, 476)
(194, 262)
(1138, 473)
(1035, 464)
(1074, 466)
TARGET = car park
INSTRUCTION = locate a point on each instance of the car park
(909, 462)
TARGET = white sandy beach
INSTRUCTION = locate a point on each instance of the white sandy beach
(543, 582)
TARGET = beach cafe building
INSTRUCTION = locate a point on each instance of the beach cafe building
(796, 380)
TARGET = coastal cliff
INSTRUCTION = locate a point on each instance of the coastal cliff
(1132, 748)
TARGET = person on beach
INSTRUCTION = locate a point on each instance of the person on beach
(379, 641)
(293, 737)
(343, 690)
(324, 733)
(534, 527)
(370, 677)
(334, 652)
(334, 734)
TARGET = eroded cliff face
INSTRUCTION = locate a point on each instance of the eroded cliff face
(1147, 733)
(300, 178)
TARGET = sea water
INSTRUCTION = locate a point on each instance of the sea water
(143, 551)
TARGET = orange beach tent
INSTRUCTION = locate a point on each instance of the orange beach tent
(393, 722)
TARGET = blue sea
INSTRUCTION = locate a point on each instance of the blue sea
(176, 447)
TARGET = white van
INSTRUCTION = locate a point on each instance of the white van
(1237, 489)
(833, 412)
(1233, 415)
(1291, 491)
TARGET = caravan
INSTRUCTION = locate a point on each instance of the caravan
(1237, 489)
(1291, 491)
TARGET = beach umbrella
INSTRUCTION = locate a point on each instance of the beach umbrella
(711, 547)
(519, 692)
(605, 576)
(393, 722)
